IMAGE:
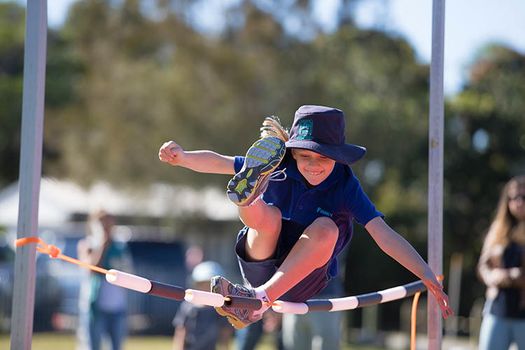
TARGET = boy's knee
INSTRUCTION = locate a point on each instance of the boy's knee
(324, 231)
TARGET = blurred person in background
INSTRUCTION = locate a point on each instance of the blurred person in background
(501, 268)
(248, 338)
(193, 257)
(199, 327)
(102, 306)
(315, 330)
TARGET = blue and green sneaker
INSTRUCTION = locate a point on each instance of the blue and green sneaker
(262, 158)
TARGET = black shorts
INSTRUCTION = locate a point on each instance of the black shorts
(257, 273)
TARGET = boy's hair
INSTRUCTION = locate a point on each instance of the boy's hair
(272, 127)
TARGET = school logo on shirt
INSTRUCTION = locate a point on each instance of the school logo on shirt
(324, 212)
(305, 129)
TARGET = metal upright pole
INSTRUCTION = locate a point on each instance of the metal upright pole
(435, 170)
(30, 172)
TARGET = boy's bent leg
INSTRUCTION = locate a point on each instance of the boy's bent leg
(254, 250)
(312, 251)
(264, 222)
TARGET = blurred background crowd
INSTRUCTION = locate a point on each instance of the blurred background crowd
(125, 76)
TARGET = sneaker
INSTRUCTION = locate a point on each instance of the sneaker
(262, 158)
(239, 318)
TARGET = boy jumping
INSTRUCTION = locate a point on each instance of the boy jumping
(297, 197)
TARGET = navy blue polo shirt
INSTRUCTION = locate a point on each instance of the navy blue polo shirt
(339, 197)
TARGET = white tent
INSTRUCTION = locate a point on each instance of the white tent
(61, 200)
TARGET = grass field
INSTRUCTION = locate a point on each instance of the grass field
(57, 341)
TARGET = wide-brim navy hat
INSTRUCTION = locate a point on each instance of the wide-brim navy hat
(322, 130)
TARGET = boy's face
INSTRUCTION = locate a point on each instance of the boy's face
(314, 167)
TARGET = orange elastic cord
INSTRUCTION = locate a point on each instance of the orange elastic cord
(54, 252)
(26, 240)
(413, 315)
(413, 321)
(42, 247)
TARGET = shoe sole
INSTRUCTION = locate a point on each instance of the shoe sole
(262, 158)
(234, 321)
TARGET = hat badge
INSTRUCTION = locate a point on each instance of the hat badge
(305, 129)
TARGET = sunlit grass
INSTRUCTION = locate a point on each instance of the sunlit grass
(57, 341)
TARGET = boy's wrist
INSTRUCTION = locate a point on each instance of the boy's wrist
(429, 275)
(182, 160)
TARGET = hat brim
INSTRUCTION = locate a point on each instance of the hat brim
(347, 153)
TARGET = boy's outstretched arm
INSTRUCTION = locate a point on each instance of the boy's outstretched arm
(402, 251)
(201, 161)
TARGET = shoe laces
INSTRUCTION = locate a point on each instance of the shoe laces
(279, 175)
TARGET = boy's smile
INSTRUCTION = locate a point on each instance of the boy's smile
(314, 167)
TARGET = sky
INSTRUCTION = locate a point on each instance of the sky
(469, 25)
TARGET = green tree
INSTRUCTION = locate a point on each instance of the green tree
(11, 76)
(61, 69)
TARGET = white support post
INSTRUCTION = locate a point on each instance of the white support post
(30, 172)
(435, 170)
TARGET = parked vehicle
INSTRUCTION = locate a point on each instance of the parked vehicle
(58, 286)
(47, 291)
(159, 261)
(162, 262)
(6, 289)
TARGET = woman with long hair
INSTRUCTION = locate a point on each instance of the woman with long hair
(502, 268)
